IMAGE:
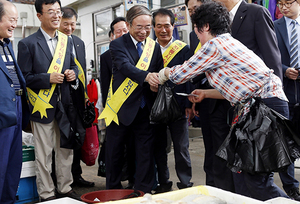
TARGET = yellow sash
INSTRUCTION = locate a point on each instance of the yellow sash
(198, 47)
(40, 102)
(172, 51)
(81, 76)
(116, 100)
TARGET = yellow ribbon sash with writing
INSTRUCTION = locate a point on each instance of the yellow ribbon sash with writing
(81, 76)
(198, 47)
(116, 100)
(172, 51)
(40, 102)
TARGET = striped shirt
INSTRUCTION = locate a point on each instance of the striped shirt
(9, 62)
(232, 69)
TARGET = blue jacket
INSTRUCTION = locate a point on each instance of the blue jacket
(8, 112)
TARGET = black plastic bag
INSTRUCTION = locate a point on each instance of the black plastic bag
(89, 114)
(165, 108)
(261, 141)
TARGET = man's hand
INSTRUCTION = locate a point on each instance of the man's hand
(189, 114)
(56, 78)
(152, 79)
(70, 75)
(292, 73)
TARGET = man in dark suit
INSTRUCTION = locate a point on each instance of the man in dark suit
(68, 26)
(202, 111)
(132, 115)
(291, 84)
(253, 26)
(163, 22)
(118, 28)
(45, 74)
(13, 106)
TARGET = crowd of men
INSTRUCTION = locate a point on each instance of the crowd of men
(49, 73)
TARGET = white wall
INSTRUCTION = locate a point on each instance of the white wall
(85, 17)
(32, 23)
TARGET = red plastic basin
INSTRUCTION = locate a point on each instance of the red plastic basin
(110, 195)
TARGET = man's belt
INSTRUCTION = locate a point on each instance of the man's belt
(19, 92)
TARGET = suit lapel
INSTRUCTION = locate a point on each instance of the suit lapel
(283, 32)
(76, 45)
(129, 45)
(43, 45)
(239, 18)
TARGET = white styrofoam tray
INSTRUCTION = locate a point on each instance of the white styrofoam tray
(64, 201)
(230, 198)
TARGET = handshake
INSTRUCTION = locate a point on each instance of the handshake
(154, 78)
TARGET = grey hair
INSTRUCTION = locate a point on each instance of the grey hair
(136, 11)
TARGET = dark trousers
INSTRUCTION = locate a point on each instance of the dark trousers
(143, 139)
(219, 118)
(180, 139)
(11, 158)
(288, 177)
(76, 168)
(203, 109)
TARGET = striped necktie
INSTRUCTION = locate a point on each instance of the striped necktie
(140, 51)
(294, 46)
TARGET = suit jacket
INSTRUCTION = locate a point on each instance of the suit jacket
(253, 26)
(194, 41)
(124, 57)
(105, 74)
(78, 94)
(290, 86)
(80, 51)
(8, 112)
(179, 59)
(34, 58)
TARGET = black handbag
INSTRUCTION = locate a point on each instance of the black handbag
(165, 108)
(89, 114)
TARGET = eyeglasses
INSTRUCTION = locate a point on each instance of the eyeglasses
(140, 28)
(54, 13)
(287, 5)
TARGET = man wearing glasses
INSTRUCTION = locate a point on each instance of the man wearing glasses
(49, 72)
(135, 57)
(287, 31)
